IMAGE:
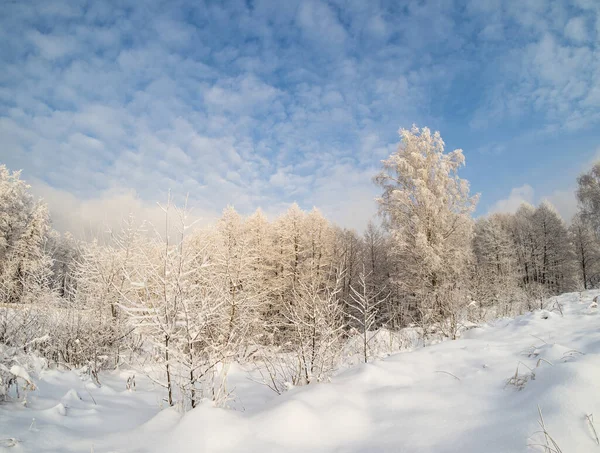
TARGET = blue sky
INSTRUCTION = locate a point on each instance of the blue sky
(259, 103)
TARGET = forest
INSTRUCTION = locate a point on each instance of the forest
(181, 303)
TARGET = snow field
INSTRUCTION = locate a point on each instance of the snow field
(457, 396)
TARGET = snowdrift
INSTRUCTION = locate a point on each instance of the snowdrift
(481, 393)
(477, 394)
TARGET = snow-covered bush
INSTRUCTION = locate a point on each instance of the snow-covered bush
(15, 368)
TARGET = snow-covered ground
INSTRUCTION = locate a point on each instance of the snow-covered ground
(457, 396)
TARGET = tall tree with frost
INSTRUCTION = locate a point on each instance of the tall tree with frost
(347, 252)
(261, 273)
(234, 271)
(29, 262)
(320, 238)
(496, 276)
(288, 254)
(374, 253)
(16, 204)
(375, 260)
(554, 252)
(65, 255)
(588, 195)
(25, 260)
(523, 236)
(259, 234)
(587, 251)
(426, 208)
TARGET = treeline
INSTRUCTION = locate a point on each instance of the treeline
(286, 293)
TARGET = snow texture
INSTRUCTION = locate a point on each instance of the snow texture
(477, 394)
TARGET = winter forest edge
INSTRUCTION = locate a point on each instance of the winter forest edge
(181, 304)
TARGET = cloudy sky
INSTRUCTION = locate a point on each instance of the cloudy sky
(259, 103)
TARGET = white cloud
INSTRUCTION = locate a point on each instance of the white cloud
(242, 95)
(518, 196)
(564, 201)
(262, 103)
(87, 218)
(550, 78)
(576, 29)
(52, 47)
(320, 24)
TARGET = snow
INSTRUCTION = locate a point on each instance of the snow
(22, 373)
(455, 396)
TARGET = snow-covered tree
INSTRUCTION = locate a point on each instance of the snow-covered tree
(25, 262)
(170, 304)
(236, 269)
(523, 236)
(16, 204)
(65, 251)
(101, 272)
(554, 252)
(375, 257)
(496, 277)
(588, 195)
(587, 251)
(426, 208)
(29, 263)
(188, 302)
(315, 322)
(364, 309)
(289, 250)
(347, 256)
(544, 253)
(320, 238)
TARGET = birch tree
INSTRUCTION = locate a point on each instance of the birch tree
(426, 208)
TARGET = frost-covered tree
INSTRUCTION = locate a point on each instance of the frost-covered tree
(543, 249)
(236, 269)
(289, 250)
(426, 208)
(375, 258)
(176, 312)
(493, 246)
(554, 252)
(25, 262)
(187, 302)
(523, 236)
(259, 239)
(588, 195)
(65, 251)
(315, 323)
(102, 273)
(16, 204)
(28, 264)
(587, 251)
(347, 256)
(303, 253)
(364, 309)
(496, 276)
(320, 238)
(374, 254)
